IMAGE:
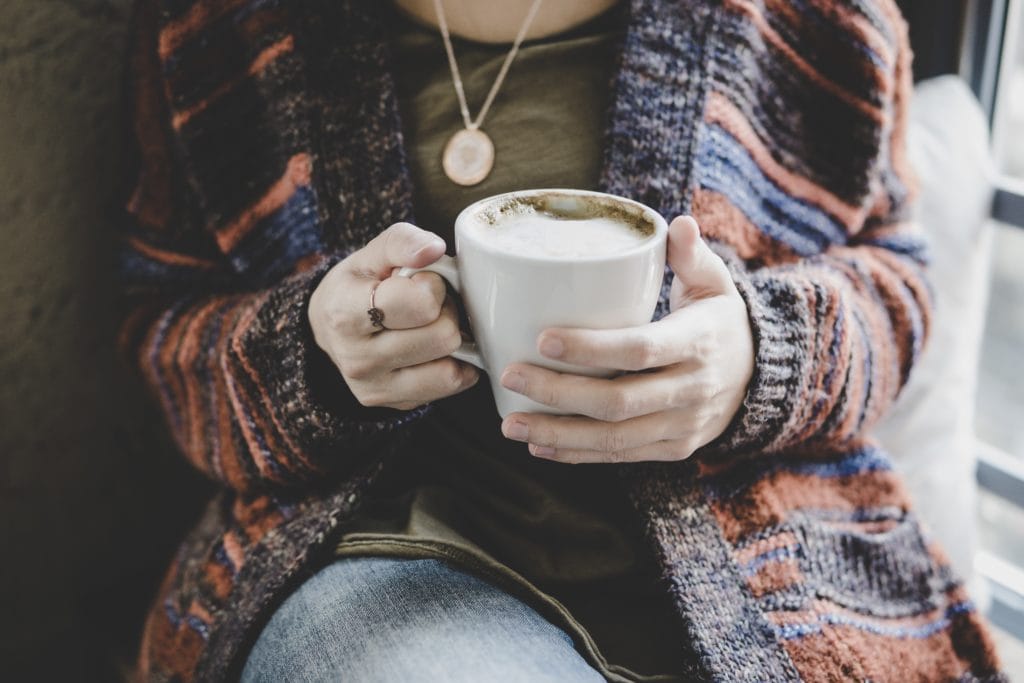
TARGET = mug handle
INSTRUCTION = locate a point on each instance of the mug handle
(447, 268)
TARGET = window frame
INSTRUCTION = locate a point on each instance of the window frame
(984, 45)
(985, 42)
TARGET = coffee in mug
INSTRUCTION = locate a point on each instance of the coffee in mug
(526, 261)
(542, 228)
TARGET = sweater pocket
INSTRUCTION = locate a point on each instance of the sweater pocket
(867, 600)
(872, 562)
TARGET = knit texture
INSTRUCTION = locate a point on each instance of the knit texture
(270, 146)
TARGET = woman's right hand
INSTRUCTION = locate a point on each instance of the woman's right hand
(409, 362)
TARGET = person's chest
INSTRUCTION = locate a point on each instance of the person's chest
(547, 120)
(745, 110)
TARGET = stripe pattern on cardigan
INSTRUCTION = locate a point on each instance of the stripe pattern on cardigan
(270, 146)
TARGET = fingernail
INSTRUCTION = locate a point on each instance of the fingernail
(514, 429)
(552, 347)
(513, 381)
(542, 451)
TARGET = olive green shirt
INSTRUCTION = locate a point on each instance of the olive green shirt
(562, 537)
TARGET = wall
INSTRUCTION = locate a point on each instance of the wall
(92, 499)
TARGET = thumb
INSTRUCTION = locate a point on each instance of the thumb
(698, 269)
(402, 245)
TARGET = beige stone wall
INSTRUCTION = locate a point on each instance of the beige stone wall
(92, 499)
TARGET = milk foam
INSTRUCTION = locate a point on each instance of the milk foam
(540, 233)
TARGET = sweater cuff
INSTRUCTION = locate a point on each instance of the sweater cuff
(304, 391)
(780, 354)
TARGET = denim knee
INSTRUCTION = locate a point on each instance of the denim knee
(383, 619)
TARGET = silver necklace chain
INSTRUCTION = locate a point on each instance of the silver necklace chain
(457, 79)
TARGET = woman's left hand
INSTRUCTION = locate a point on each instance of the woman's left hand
(689, 372)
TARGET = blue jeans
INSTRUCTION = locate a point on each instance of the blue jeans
(383, 619)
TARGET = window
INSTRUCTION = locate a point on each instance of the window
(1008, 119)
(993, 62)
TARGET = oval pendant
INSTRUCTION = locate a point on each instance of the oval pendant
(468, 157)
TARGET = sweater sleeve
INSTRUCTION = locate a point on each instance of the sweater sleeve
(248, 396)
(837, 334)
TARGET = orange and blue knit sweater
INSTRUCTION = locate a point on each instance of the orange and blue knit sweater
(270, 147)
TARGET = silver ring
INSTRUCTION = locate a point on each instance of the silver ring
(376, 315)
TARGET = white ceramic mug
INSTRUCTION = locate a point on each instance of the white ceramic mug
(511, 297)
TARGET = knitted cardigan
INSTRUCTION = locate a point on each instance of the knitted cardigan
(270, 146)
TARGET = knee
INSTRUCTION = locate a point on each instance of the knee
(383, 619)
(333, 619)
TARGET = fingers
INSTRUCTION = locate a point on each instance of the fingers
(404, 369)
(583, 433)
(669, 450)
(402, 348)
(408, 302)
(610, 400)
(420, 384)
(402, 245)
(698, 269)
(689, 335)
(339, 305)
(404, 365)
(648, 346)
(704, 282)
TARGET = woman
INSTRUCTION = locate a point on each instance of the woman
(378, 520)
